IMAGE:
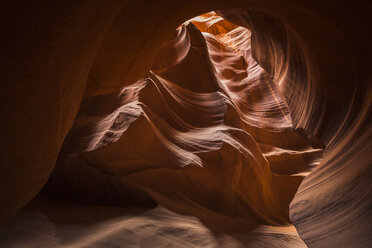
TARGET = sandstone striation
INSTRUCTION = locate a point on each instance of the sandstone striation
(220, 117)
(205, 133)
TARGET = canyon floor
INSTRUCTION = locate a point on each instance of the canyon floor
(48, 223)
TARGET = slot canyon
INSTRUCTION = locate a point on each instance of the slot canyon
(186, 123)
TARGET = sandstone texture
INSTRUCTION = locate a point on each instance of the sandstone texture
(256, 115)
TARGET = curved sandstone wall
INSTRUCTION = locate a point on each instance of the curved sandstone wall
(205, 132)
(317, 54)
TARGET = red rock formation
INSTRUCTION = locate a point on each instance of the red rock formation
(314, 57)
(208, 113)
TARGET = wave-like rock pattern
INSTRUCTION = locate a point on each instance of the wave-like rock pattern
(318, 53)
(206, 132)
(321, 76)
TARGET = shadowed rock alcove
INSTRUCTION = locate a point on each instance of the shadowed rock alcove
(134, 127)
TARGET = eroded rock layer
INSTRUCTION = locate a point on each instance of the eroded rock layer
(317, 53)
(205, 132)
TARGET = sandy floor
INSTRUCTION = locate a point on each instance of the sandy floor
(59, 224)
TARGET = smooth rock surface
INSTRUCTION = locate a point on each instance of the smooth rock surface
(318, 54)
(46, 223)
(205, 115)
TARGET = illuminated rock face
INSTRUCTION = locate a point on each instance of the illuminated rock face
(205, 131)
(318, 60)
